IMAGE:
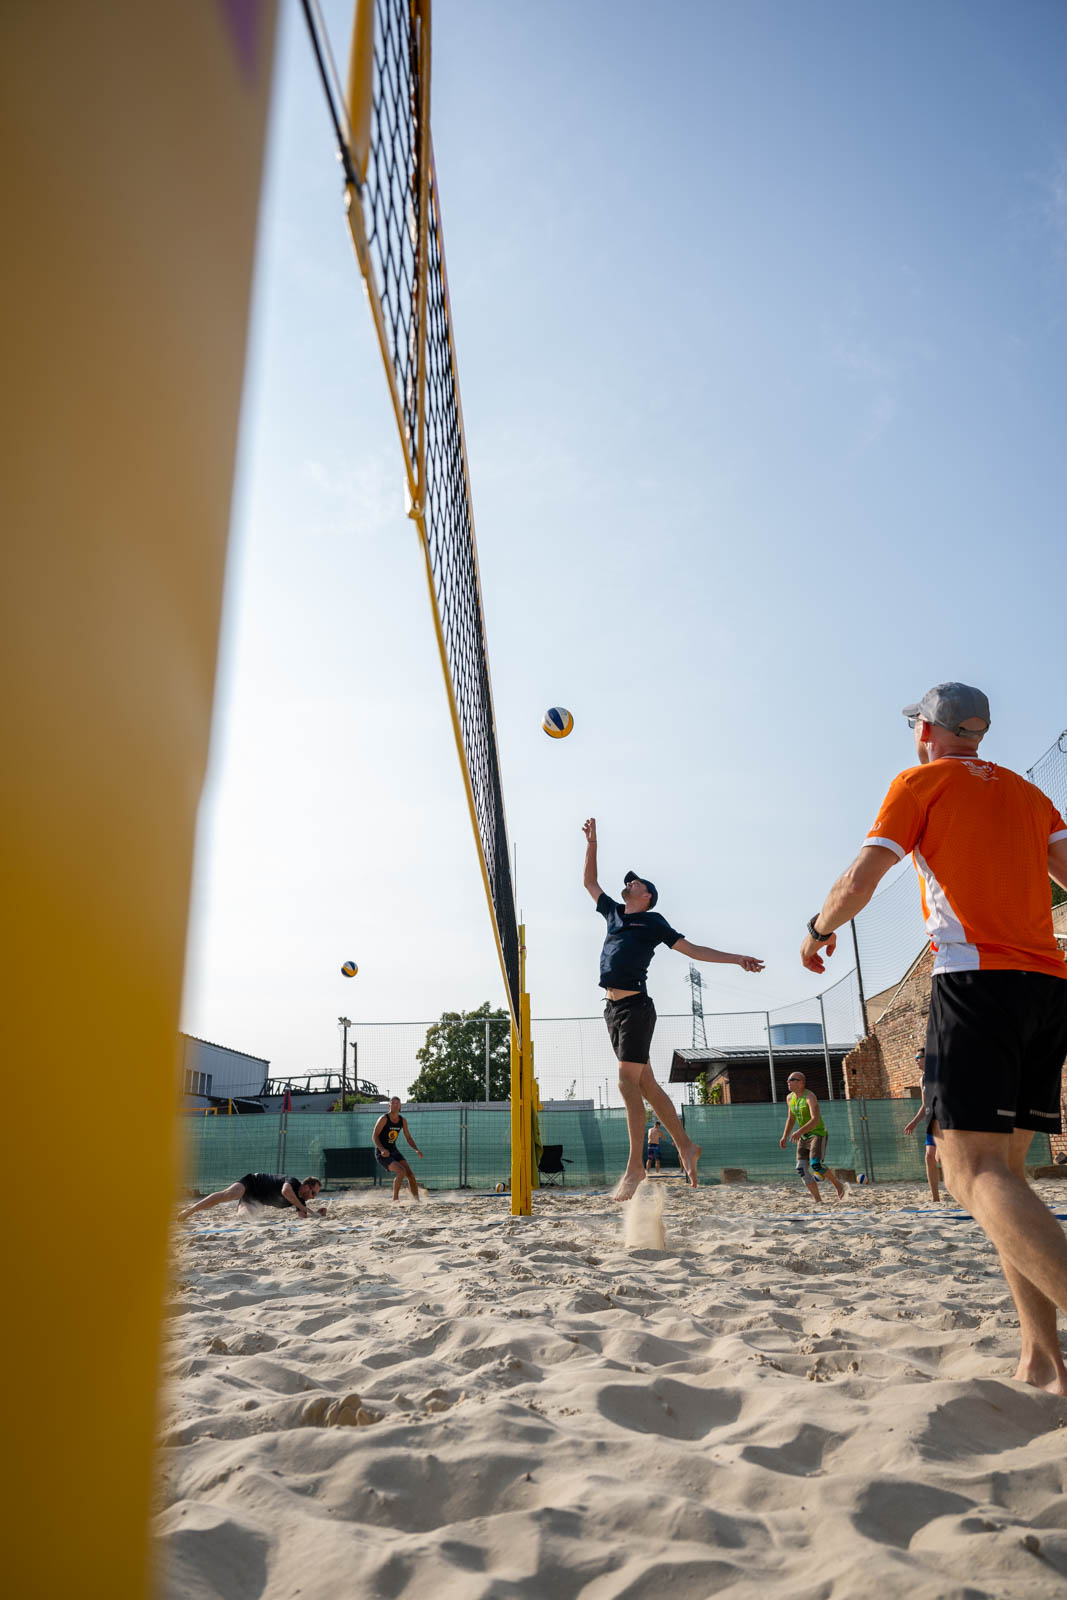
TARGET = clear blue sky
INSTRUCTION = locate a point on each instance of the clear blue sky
(761, 313)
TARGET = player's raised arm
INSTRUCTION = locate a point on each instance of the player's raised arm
(704, 952)
(589, 878)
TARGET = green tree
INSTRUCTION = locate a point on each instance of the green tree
(452, 1061)
(708, 1094)
(354, 1100)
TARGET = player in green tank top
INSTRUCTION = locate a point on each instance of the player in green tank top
(805, 1126)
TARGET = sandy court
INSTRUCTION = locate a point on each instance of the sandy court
(445, 1402)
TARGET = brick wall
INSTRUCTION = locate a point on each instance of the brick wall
(865, 1075)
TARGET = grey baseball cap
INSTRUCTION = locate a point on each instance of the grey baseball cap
(949, 705)
(653, 892)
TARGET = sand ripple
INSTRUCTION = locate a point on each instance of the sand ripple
(447, 1402)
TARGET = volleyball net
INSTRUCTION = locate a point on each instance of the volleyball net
(395, 220)
(382, 124)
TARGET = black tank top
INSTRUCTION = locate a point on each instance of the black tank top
(391, 1132)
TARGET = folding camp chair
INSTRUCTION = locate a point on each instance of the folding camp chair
(552, 1165)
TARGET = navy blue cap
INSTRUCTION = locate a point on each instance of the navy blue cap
(649, 885)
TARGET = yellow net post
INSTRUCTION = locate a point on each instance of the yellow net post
(522, 1098)
(133, 142)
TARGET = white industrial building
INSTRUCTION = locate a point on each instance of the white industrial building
(212, 1072)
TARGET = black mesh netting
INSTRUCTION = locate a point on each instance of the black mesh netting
(392, 220)
(391, 196)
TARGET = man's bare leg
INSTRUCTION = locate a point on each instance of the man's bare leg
(932, 1175)
(397, 1185)
(234, 1192)
(1041, 1360)
(663, 1106)
(831, 1177)
(629, 1087)
(986, 1171)
(813, 1189)
(412, 1181)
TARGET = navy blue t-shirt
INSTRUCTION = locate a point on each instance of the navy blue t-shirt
(630, 944)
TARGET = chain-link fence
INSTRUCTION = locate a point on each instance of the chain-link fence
(469, 1147)
(1049, 772)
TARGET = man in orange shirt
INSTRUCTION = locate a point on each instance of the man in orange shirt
(985, 843)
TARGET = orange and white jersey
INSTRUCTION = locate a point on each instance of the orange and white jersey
(979, 836)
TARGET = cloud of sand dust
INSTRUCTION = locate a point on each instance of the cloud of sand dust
(642, 1219)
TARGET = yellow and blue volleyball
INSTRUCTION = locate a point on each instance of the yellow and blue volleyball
(557, 722)
(350, 969)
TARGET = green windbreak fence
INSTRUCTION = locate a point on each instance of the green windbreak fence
(470, 1146)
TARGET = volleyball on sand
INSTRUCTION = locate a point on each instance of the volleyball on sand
(350, 969)
(557, 722)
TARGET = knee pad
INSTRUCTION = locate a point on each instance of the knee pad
(804, 1170)
(818, 1170)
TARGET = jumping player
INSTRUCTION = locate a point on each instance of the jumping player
(387, 1131)
(933, 1176)
(634, 931)
(985, 843)
(810, 1136)
(264, 1189)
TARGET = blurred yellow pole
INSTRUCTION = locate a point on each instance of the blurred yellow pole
(133, 143)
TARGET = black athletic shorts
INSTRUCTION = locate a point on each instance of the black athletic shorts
(995, 1048)
(631, 1024)
(387, 1161)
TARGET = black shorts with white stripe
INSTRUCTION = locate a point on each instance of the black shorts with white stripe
(995, 1049)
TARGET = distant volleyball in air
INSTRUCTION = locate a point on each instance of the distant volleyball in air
(350, 969)
(557, 722)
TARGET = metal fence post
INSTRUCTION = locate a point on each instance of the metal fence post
(869, 1148)
(826, 1051)
(770, 1058)
(487, 1060)
(859, 980)
(462, 1147)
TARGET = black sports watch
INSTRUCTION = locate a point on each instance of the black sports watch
(820, 938)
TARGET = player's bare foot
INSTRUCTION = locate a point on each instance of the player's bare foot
(626, 1187)
(689, 1160)
(1040, 1373)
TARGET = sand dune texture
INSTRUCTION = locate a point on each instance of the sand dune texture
(444, 1402)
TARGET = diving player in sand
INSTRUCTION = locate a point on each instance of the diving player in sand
(809, 1135)
(933, 1176)
(264, 1189)
(634, 930)
(387, 1131)
(985, 843)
